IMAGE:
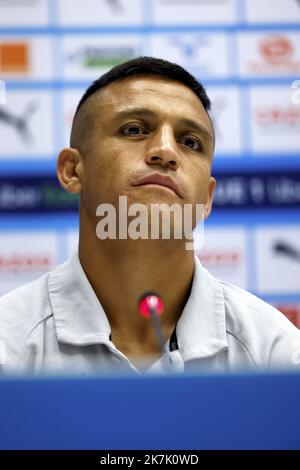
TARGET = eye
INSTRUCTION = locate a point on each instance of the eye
(192, 142)
(133, 129)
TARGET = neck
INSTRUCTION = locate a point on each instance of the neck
(120, 271)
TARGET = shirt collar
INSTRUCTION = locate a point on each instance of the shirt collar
(78, 314)
(201, 329)
(81, 320)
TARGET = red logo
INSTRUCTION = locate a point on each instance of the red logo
(275, 115)
(220, 259)
(292, 312)
(24, 263)
(276, 50)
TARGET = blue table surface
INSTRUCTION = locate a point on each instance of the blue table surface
(176, 412)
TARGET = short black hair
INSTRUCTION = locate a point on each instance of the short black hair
(152, 66)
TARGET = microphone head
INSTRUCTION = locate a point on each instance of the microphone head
(150, 300)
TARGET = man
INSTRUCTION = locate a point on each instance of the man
(141, 132)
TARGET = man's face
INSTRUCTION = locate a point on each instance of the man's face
(141, 127)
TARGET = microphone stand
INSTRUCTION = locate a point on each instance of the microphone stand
(157, 328)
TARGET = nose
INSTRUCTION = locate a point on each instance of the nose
(162, 149)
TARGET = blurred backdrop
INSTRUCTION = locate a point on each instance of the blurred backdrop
(247, 54)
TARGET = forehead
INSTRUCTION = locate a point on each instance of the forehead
(163, 96)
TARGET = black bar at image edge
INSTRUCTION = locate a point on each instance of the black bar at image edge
(135, 458)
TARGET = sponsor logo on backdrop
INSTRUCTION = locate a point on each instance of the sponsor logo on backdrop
(96, 56)
(190, 49)
(189, 45)
(284, 190)
(21, 263)
(278, 259)
(277, 118)
(40, 194)
(35, 194)
(20, 123)
(222, 258)
(275, 121)
(25, 256)
(26, 124)
(14, 58)
(253, 190)
(14, 197)
(27, 58)
(202, 54)
(287, 250)
(225, 261)
(278, 55)
(277, 50)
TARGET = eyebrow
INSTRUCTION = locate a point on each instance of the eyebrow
(144, 112)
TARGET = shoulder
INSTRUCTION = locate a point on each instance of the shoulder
(31, 303)
(269, 337)
(243, 307)
(26, 313)
(27, 320)
(24, 303)
(21, 312)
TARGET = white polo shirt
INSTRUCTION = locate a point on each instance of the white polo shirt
(57, 325)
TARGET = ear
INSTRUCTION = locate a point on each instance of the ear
(70, 169)
(211, 188)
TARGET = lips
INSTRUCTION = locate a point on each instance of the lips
(161, 180)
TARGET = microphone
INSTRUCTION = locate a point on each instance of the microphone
(151, 305)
